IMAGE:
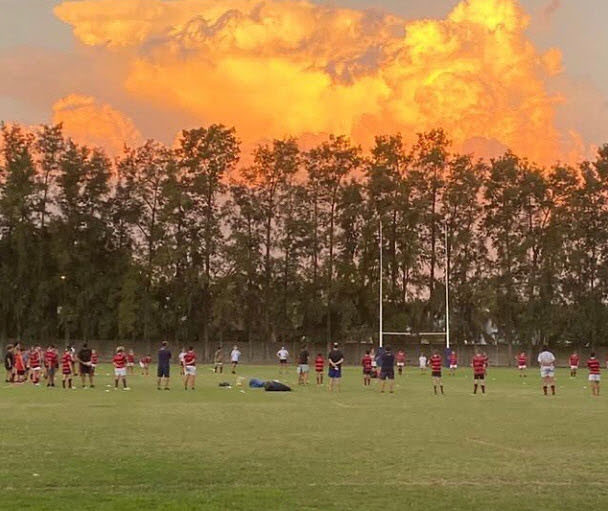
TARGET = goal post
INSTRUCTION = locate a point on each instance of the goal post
(381, 332)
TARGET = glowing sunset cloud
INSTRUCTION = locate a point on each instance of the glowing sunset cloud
(94, 124)
(274, 68)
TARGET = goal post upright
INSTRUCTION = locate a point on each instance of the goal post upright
(380, 327)
(447, 290)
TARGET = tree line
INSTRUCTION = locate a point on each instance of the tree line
(188, 244)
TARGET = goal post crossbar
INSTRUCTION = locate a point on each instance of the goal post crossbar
(416, 334)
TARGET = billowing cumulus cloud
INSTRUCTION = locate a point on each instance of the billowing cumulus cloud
(279, 67)
(89, 122)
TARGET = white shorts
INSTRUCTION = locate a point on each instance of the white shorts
(303, 368)
(547, 372)
(191, 370)
(130, 364)
(594, 377)
(453, 366)
(374, 364)
(400, 364)
(142, 365)
(522, 367)
(573, 368)
(120, 372)
(422, 366)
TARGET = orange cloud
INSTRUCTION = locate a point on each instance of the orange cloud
(88, 122)
(292, 67)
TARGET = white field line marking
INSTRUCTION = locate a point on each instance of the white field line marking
(497, 446)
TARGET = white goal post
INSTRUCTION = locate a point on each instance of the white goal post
(381, 332)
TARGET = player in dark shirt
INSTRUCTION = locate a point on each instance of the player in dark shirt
(9, 364)
(335, 359)
(387, 369)
(303, 367)
(164, 365)
(84, 359)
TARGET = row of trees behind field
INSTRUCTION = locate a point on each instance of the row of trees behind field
(188, 244)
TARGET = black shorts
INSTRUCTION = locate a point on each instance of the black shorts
(436, 374)
(85, 369)
(479, 377)
(283, 362)
(367, 371)
(163, 372)
(387, 374)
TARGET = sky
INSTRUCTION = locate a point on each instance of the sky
(55, 65)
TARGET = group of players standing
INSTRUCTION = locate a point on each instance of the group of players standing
(35, 364)
(381, 365)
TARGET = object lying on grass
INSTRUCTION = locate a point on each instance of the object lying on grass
(256, 383)
(224, 384)
(276, 386)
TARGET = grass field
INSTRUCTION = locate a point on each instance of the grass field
(223, 449)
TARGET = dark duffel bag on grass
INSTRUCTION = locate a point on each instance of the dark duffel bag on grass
(276, 386)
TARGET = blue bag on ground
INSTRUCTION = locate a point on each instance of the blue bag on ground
(256, 383)
(276, 386)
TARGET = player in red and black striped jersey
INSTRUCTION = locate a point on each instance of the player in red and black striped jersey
(574, 360)
(67, 367)
(130, 361)
(522, 364)
(435, 362)
(479, 371)
(35, 364)
(120, 368)
(319, 368)
(19, 364)
(189, 368)
(51, 363)
(594, 374)
(144, 363)
(366, 362)
(400, 358)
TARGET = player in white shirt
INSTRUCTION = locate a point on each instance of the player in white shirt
(422, 362)
(235, 356)
(546, 361)
(282, 355)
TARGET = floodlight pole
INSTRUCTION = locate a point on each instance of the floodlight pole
(380, 327)
(447, 290)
